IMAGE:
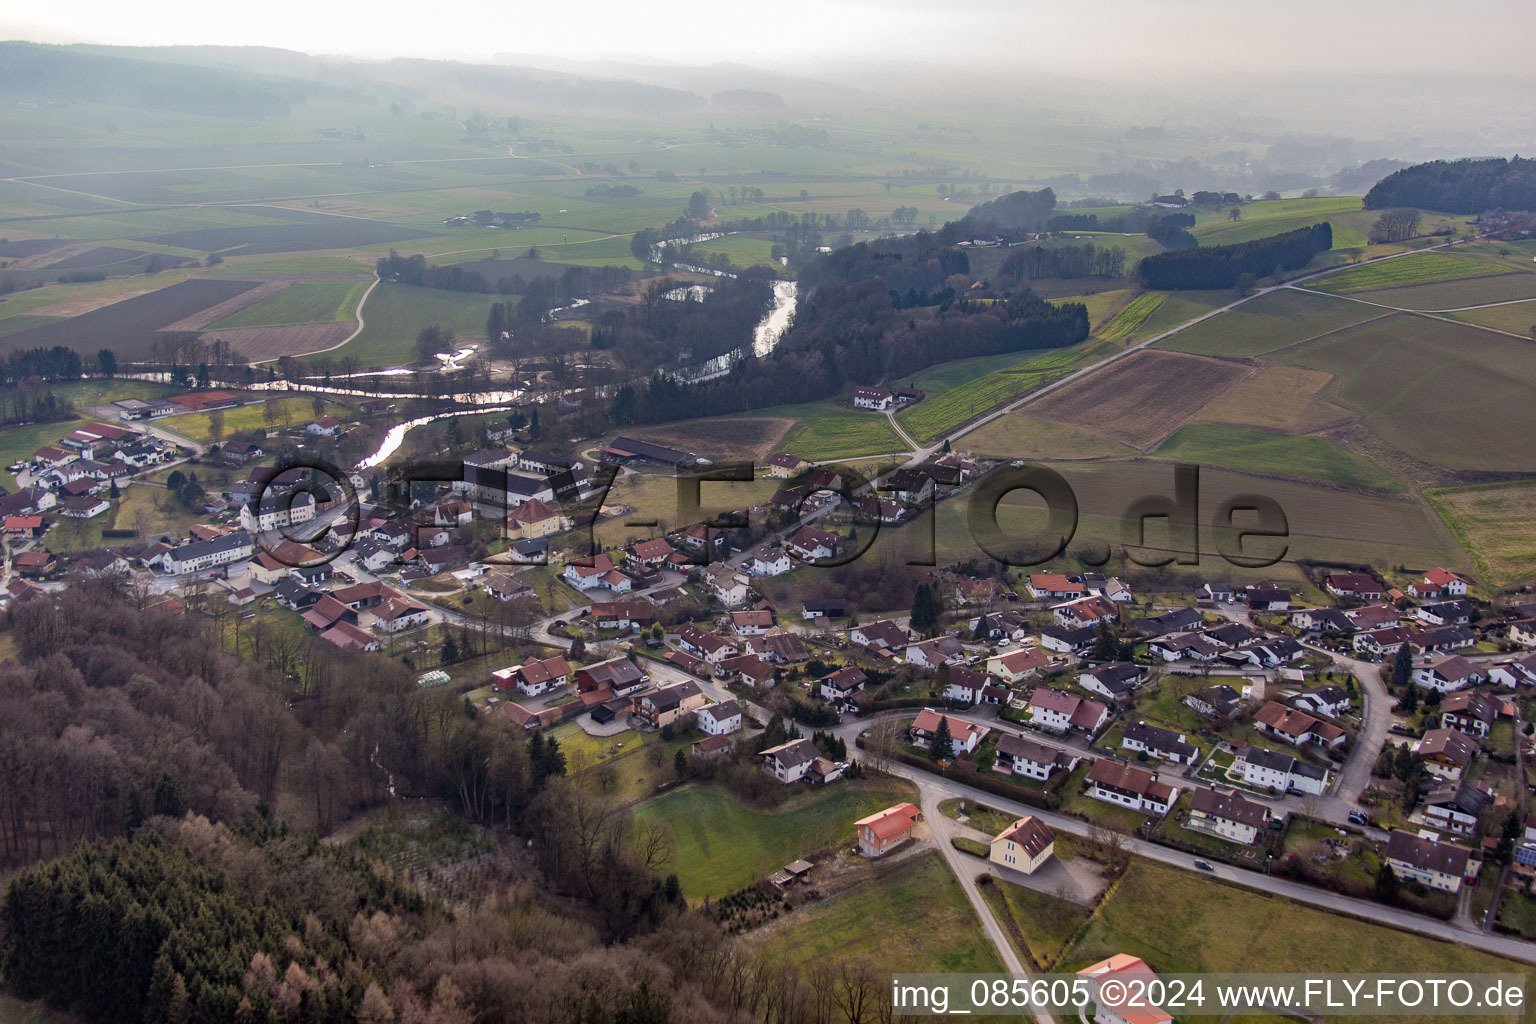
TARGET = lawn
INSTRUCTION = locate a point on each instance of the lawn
(1410, 269)
(1264, 451)
(961, 391)
(289, 412)
(914, 917)
(1272, 217)
(304, 302)
(1047, 923)
(395, 313)
(1454, 296)
(1268, 322)
(20, 442)
(724, 844)
(655, 498)
(1180, 922)
(739, 250)
(1496, 522)
(832, 430)
(159, 513)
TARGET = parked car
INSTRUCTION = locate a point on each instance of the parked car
(1358, 817)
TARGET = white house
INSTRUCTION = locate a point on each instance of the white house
(1435, 864)
(720, 719)
(277, 511)
(1226, 814)
(1271, 769)
(964, 736)
(789, 762)
(771, 562)
(208, 554)
(1017, 755)
(878, 399)
(1448, 673)
(1128, 786)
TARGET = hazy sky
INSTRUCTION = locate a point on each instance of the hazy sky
(1339, 35)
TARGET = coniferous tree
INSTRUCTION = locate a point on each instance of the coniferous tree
(942, 747)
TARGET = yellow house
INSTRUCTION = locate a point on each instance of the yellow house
(1024, 845)
(534, 519)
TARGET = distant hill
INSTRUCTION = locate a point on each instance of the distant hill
(1459, 186)
(750, 101)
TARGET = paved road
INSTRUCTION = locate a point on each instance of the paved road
(1501, 945)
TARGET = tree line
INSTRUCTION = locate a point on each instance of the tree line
(1459, 186)
(1087, 260)
(1220, 266)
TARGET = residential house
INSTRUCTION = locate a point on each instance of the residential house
(1024, 845)
(748, 670)
(668, 704)
(1523, 632)
(1373, 616)
(1019, 755)
(619, 675)
(728, 583)
(809, 544)
(780, 647)
(1017, 666)
(84, 506)
(782, 466)
(968, 686)
(964, 736)
(883, 831)
(1160, 743)
(1116, 680)
(597, 573)
(648, 554)
(1446, 752)
(504, 586)
(1514, 673)
(399, 613)
(1215, 593)
(1323, 620)
(1448, 673)
(1329, 701)
(1215, 702)
(348, 637)
(1267, 598)
(1277, 771)
(533, 519)
(789, 762)
(295, 596)
(1230, 635)
(537, 676)
(1296, 727)
(1438, 583)
(1184, 647)
(1122, 967)
(770, 561)
(1087, 611)
(877, 399)
(941, 650)
(277, 512)
(884, 635)
(1383, 642)
(840, 686)
(1358, 586)
(1179, 620)
(720, 719)
(1469, 712)
(1226, 814)
(1456, 807)
(1429, 862)
(1446, 613)
(630, 616)
(1068, 641)
(1056, 586)
(325, 426)
(712, 647)
(911, 486)
(23, 527)
(1128, 786)
(1058, 711)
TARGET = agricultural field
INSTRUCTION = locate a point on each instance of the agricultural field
(1411, 269)
(1432, 388)
(287, 231)
(1020, 435)
(831, 429)
(395, 313)
(962, 390)
(1102, 306)
(302, 302)
(1514, 317)
(1124, 322)
(1141, 399)
(1046, 922)
(1176, 309)
(912, 917)
(721, 438)
(17, 443)
(1323, 522)
(128, 327)
(1262, 451)
(1350, 221)
(1268, 322)
(1456, 296)
(723, 844)
(1278, 397)
(1496, 523)
(1179, 922)
(740, 250)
